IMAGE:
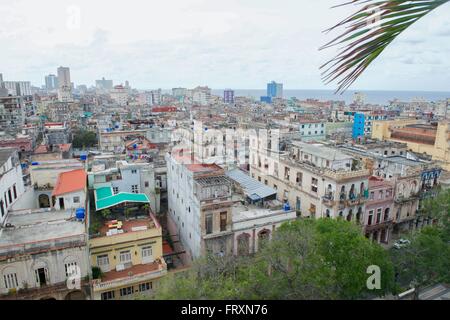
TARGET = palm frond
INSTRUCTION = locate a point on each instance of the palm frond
(367, 33)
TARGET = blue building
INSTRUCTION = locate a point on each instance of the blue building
(266, 99)
(275, 90)
(359, 120)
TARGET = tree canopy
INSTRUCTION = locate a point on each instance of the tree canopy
(306, 259)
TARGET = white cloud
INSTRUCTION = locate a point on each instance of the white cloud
(239, 44)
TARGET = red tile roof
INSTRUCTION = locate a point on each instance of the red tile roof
(70, 181)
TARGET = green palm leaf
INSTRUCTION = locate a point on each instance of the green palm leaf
(367, 33)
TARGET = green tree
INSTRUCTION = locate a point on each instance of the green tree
(368, 32)
(425, 261)
(84, 139)
(306, 259)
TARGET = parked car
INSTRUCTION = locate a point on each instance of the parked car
(401, 243)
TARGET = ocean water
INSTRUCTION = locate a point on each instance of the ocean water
(372, 96)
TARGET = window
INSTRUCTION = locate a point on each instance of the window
(379, 210)
(15, 191)
(146, 184)
(134, 188)
(11, 280)
(299, 178)
(147, 255)
(145, 286)
(71, 269)
(126, 291)
(103, 260)
(209, 223)
(370, 220)
(314, 183)
(134, 171)
(109, 295)
(76, 199)
(125, 257)
(223, 221)
(116, 190)
(10, 195)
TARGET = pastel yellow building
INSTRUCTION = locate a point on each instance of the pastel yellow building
(425, 138)
(129, 254)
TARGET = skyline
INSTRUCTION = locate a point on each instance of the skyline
(190, 43)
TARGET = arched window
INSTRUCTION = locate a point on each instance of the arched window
(243, 244)
(386, 214)
(327, 213)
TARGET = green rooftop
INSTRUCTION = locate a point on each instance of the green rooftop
(104, 198)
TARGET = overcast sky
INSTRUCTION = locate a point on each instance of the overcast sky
(240, 44)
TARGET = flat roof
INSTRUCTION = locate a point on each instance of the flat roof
(322, 151)
(31, 226)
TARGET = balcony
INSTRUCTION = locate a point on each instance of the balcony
(135, 274)
(379, 225)
(328, 199)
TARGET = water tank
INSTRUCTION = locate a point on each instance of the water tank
(35, 163)
(83, 157)
(135, 146)
(80, 213)
(287, 207)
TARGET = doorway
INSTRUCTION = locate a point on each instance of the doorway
(41, 276)
(61, 203)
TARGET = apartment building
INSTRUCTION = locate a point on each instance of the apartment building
(316, 180)
(128, 177)
(11, 182)
(200, 206)
(43, 251)
(12, 113)
(125, 246)
(378, 220)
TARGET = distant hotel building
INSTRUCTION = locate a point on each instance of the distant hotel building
(275, 90)
(228, 96)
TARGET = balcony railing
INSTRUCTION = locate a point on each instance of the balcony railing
(98, 285)
(379, 225)
(39, 246)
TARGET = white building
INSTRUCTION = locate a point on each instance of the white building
(201, 96)
(200, 206)
(318, 181)
(11, 181)
(64, 85)
(120, 95)
(312, 129)
(126, 177)
(43, 255)
(18, 88)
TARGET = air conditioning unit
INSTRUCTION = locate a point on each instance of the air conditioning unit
(120, 267)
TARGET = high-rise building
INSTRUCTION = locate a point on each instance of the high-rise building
(228, 96)
(64, 85)
(179, 92)
(51, 82)
(103, 85)
(275, 90)
(18, 88)
(201, 95)
(1, 80)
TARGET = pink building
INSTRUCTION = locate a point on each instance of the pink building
(378, 220)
